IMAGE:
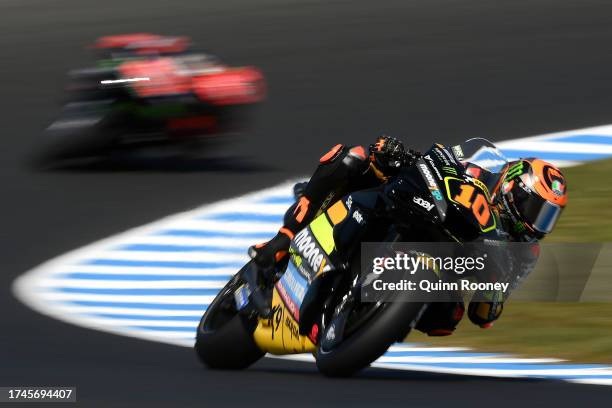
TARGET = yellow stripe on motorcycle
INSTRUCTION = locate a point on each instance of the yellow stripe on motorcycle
(323, 232)
(279, 334)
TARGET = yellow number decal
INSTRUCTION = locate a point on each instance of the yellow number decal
(465, 198)
(477, 203)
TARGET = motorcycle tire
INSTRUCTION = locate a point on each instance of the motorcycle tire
(390, 323)
(224, 339)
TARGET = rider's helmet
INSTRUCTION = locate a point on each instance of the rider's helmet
(534, 193)
(387, 154)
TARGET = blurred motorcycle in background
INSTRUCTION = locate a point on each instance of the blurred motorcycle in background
(148, 90)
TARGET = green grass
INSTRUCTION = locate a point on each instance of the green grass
(575, 331)
(588, 216)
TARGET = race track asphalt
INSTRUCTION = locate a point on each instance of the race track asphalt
(338, 71)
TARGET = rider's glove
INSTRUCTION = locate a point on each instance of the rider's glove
(484, 314)
(388, 154)
(266, 255)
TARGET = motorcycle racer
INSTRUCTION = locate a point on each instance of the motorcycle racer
(149, 94)
(341, 170)
(529, 200)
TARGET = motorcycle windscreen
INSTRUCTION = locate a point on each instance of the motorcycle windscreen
(486, 156)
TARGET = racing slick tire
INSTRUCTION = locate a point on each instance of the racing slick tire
(391, 322)
(224, 338)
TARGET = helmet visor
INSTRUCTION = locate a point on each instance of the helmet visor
(540, 214)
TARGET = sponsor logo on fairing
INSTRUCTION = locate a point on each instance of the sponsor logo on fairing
(448, 154)
(292, 287)
(331, 333)
(241, 297)
(431, 182)
(441, 156)
(428, 175)
(458, 151)
(423, 203)
(433, 166)
(450, 170)
(309, 249)
(349, 202)
(358, 217)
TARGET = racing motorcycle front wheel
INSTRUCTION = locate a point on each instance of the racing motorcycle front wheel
(224, 338)
(358, 333)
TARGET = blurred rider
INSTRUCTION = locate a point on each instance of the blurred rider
(530, 200)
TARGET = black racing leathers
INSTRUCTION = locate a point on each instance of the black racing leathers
(341, 170)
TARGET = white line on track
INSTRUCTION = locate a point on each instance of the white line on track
(128, 311)
(166, 283)
(238, 243)
(99, 321)
(136, 270)
(237, 226)
(45, 297)
(195, 256)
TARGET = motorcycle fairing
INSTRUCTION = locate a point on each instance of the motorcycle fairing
(470, 210)
(477, 210)
(143, 43)
(156, 77)
(310, 260)
(292, 287)
(279, 334)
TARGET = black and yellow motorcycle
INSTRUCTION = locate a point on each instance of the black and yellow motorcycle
(314, 304)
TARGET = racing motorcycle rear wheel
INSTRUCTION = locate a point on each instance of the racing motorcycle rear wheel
(224, 339)
(358, 333)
